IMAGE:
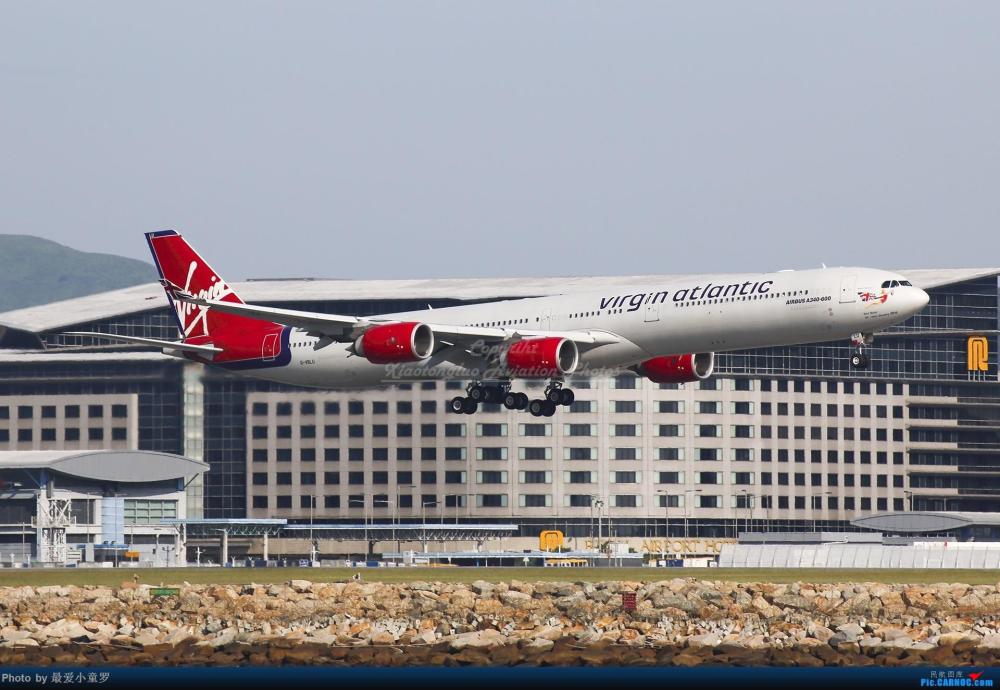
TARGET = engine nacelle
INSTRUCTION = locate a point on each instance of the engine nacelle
(678, 368)
(542, 357)
(396, 342)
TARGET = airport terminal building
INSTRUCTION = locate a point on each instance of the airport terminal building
(787, 438)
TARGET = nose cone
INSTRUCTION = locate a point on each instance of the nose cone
(920, 299)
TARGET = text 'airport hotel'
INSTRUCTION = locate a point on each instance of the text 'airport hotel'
(786, 438)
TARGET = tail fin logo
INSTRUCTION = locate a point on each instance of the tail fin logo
(191, 316)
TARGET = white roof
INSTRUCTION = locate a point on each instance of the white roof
(140, 298)
(106, 465)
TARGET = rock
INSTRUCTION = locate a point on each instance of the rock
(898, 643)
(483, 588)
(66, 628)
(821, 633)
(851, 630)
(515, 598)
(793, 601)
(477, 640)
(706, 640)
(538, 645)
(223, 638)
(301, 586)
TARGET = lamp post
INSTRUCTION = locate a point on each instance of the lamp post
(686, 492)
(406, 486)
(909, 500)
(387, 502)
(423, 523)
(364, 518)
(666, 522)
(312, 542)
(748, 504)
(599, 504)
(767, 515)
(821, 506)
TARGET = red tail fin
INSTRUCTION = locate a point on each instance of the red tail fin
(183, 270)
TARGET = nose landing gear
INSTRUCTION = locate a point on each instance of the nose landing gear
(859, 360)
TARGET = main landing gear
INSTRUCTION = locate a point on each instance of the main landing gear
(859, 360)
(554, 396)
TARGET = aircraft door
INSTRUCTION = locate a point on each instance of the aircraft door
(653, 311)
(269, 350)
(848, 293)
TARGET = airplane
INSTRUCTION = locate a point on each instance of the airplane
(667, 332)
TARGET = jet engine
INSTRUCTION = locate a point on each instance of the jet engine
(543, 357)
(678, 368)
(396, 342)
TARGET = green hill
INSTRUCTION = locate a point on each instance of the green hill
(37, 271)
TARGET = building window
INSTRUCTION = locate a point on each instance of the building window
(626, 501)
(535, 500)
(491, 500)
(491, 477)
(149, 511)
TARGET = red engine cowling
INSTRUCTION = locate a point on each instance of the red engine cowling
(542, 357)
(396, 342)
(678, 368)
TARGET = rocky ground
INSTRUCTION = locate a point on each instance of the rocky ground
(683, 622)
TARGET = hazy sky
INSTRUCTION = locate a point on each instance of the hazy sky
(467, 138)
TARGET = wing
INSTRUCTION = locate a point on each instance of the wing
(165, 344)
(343, 328)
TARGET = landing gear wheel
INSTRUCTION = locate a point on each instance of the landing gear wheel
(457, 405)
(477, 394)
(492, 394)
(535, 407)
(548, 408)
(553, 395)
(522, 401)
(566, 397)
(512, 401)
(859, 361)
(469, 406)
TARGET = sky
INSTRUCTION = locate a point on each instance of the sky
(461, 139)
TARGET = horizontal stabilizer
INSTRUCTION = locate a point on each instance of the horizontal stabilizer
(329, 324)
(165, 344)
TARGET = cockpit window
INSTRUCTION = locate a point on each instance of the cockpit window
(895, 283)
(906, 283)
(885, 284)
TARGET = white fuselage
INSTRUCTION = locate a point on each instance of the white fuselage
(697, 314)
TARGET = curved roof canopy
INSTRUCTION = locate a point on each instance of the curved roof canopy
(925, 522)
(105, 465)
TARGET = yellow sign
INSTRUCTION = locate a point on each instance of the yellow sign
(550, 540)
(978, 353)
